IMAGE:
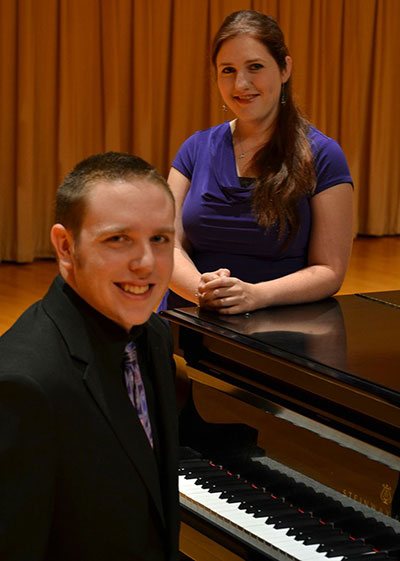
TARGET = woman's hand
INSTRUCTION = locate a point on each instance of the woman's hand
(224, 294)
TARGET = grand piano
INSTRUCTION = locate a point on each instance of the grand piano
(290, 431)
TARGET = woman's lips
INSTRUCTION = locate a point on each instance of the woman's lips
(245, 98)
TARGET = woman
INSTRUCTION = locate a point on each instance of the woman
(264, 202)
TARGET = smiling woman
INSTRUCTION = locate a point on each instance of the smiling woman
(264, 202)
(251, 87)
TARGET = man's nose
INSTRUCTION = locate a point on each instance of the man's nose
(142, 258)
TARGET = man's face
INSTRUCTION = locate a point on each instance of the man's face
(123, 260)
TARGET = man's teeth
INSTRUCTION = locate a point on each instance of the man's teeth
(134, 289)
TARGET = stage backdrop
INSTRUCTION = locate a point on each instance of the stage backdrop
(85, 76)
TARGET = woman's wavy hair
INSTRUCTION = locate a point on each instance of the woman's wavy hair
(284, 165)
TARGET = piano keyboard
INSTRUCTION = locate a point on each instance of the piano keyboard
(274, 526)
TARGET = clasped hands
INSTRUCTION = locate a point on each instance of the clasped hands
(220, 292)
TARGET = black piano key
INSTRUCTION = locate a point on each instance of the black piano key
(343, 547)
(270, 510)
(255, 500)
(228, 479)
(288, 489)
(235, 490)
(241, 499)
(266, 502)
(250, 494)
(369, 557)
(349, 549)
(392, 551)
(239, 494)
(218, 487)
(324, 533)
(387, 539)
(284, 521)
(304, 526)
(313, 501)
(340, 517)
(198, 464)
(363, 528)
(332, 510)
(263, 501)
(211, 477)
(283, 493)
(198, 472)
(330, 541)
(260, 472)
(192, 462)
(272, 481)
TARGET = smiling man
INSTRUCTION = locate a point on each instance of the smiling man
(88, 442)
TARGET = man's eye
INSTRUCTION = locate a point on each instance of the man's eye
(116, 239)
(160, 239)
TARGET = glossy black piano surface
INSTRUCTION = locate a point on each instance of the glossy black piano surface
(313, 388)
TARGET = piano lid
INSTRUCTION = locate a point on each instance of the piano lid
(350, 338)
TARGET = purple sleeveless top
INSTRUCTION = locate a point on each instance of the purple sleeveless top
(218, 219)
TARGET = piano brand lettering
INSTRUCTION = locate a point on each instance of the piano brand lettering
(385, 497)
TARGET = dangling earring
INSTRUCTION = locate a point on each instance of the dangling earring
(224, 107)
(283, 94)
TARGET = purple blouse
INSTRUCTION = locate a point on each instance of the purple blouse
(217, 215)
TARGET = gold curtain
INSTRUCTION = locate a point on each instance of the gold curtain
(85, 76)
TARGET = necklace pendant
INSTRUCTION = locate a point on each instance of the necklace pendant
(242, 155)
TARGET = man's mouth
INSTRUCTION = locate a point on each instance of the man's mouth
(134, 288)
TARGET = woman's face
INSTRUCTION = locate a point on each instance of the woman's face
(250, 80)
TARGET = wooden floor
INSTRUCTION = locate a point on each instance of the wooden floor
(374, 266)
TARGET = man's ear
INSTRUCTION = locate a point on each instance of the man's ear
(63, 242)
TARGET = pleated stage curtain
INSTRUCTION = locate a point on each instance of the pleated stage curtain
(84, 76)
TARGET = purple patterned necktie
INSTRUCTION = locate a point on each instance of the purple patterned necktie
(135, 387)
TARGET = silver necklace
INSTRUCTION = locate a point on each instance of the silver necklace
(243, 153)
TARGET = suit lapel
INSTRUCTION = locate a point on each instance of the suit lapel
(127, 428)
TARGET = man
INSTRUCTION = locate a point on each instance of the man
(88, 440)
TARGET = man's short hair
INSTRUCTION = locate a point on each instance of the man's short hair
(110, 166)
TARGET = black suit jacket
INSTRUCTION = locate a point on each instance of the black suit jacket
(78, 478)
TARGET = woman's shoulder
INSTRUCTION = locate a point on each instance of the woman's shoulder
(323, 146)
(205, 135)
(199, 147)
(320, 141)
(330, 163)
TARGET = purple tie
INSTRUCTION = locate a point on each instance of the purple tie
(135, 387)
